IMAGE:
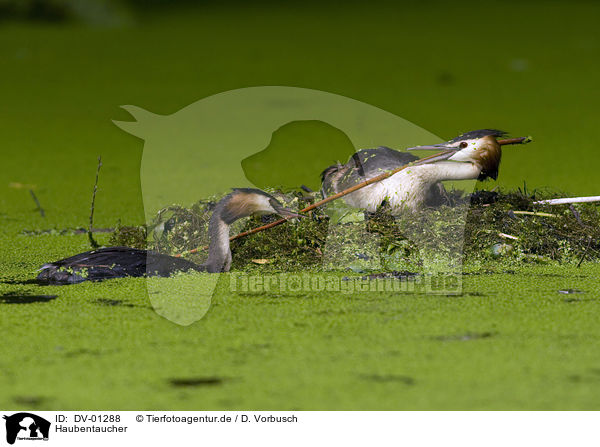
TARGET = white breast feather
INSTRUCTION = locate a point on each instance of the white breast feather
(406, 190)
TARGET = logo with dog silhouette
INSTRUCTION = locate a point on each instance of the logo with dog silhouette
(26, 427)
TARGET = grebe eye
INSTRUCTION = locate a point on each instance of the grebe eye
(463, 144)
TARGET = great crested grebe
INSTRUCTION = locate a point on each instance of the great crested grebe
(472, 155)
(119, 262)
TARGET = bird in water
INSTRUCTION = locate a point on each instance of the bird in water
(119, 262)
(472, 155)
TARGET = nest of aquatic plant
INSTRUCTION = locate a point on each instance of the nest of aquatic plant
(128, 236)
(482, 227)
(563, 233)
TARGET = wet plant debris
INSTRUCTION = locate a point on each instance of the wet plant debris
(484, 227)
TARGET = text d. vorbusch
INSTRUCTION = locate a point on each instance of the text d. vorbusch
(270, 418)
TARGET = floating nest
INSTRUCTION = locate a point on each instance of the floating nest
(483, 227)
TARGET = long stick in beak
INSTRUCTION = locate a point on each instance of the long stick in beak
(444, 155)
(430, 159)
(433, 147)
(520, 140)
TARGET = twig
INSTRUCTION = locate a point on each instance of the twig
(568, 200)
(508, 236)
(93, 242)
(330, 198)
(535, 213)
(520, 140)
(585, 252)
(37, 202)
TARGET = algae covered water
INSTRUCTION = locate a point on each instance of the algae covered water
(523, 334)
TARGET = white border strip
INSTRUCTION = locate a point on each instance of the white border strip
(360, 428)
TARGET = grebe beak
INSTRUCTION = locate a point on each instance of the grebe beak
(433, 147)
(448, 153)
(445, 155)
(282, 211)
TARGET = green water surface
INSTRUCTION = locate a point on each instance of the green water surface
(510, 341)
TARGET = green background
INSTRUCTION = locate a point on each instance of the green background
(511, 341)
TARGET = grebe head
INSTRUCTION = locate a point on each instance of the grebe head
(244, 202)
(479, 147)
